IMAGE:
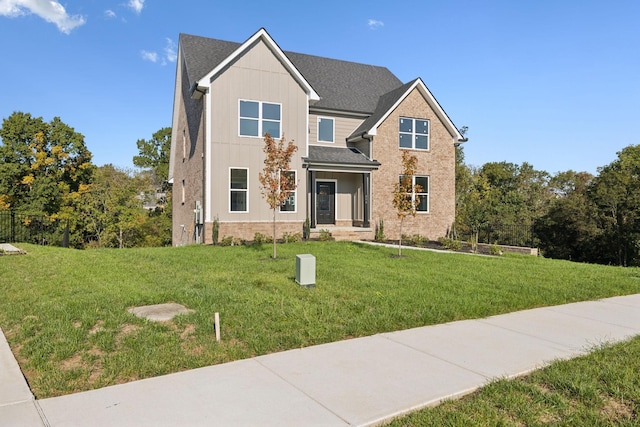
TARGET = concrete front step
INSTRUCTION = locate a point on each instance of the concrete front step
(344, 233)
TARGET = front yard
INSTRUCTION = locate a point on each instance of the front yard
(64, 312)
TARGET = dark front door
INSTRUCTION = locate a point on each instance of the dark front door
(326, 202)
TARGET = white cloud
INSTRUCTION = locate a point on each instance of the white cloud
(49, 10)
(375, 24)
(136, 5)
(149, 56)
(109, 13)
(170, 51)
(169, 54)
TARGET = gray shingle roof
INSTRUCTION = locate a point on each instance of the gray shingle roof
(342, 85)
(338, 156)
(385, 102)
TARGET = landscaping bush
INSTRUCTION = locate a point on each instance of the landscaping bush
(451, 244)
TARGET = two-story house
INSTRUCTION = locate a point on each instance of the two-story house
(350, 121)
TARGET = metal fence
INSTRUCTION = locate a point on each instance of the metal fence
(24, 228)
(505, 234)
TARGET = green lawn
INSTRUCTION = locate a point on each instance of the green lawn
(64, 312)
(600, 389)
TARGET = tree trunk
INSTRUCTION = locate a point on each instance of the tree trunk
(274, 233)
(400, 239)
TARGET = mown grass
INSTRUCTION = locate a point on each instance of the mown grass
(599, 389)
(64, 312)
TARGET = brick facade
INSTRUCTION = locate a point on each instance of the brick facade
(438, 163)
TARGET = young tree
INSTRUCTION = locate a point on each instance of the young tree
(275, 182)
(405, 193)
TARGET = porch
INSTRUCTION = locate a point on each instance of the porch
(339, 192)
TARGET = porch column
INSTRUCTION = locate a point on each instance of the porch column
(312, 180)
(365, 192)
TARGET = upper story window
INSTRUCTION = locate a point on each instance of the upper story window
(258, 118)
(325, 129)
(414, 133)
(238, 190)
(289, 204)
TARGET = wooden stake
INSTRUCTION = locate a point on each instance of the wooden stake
(217, 325)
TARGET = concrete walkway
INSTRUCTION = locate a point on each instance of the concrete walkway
(357, 382)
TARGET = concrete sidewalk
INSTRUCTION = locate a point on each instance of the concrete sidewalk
(362, 381)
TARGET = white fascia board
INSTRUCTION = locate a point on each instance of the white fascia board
(174, 116)
(273, 46)
(433, 103)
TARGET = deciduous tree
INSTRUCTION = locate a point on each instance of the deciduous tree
(275, 183)
(41, 164)
(405, 193)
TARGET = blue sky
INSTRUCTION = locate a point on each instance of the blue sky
(555, 83)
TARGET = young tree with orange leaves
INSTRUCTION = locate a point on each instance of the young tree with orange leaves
(405, 193)
(275, 183)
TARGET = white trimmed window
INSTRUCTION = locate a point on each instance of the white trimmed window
(289, 204)
(238, 190)
(414, 133)
(325, 129)
(423, 195)
(258, 118)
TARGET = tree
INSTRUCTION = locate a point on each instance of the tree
(405, 193)
(569, 229)
(113, 209)
(616, 192)
(154, 155)
(275, 183)
(41, 164)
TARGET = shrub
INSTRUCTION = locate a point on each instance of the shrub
(291, 237)
(306, 229)
(230, 241)
(325, 235)
(418, 240)
(380, 237)
(259, 238)
(451, 244)
(495, 249)
(215, 230)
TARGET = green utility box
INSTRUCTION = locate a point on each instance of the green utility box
(306, 270)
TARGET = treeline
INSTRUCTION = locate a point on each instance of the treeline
(574, 215)
(46, 171)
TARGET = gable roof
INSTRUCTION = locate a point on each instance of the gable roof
(389, 101)
(339, 85)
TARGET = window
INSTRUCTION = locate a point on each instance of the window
(258, 118)
(238, 190)
(183, 192)
(414, 133)
(184, 145)
(325, 129)
(423, 195)
(289, 204)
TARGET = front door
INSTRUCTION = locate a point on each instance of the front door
(325, 202)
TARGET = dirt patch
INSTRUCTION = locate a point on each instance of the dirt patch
(188, 332)
(616, 410)
(72, 363)
(125, 331)
(99, 326)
